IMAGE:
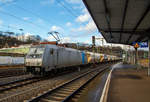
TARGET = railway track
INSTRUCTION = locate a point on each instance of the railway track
(6, 76)
(19, 83)
(22, 82)
(67, 90)
(2, 76)
(14, 79)
(28, 89)
(10, 72)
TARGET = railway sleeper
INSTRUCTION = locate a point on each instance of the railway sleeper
(59, 94)
(53, 98)
(46, 100)
(65, 91)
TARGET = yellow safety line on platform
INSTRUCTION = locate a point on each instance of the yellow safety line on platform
(106, 88)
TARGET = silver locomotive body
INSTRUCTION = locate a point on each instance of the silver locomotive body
(44, 58)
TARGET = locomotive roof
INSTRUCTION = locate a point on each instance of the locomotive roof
(69, 49)
(41, 45)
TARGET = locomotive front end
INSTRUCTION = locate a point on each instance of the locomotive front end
(34, 59)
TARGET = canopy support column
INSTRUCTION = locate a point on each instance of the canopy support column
(136, 57)
(149, 58)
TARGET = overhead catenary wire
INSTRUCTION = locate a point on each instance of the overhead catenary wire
(26, 21)
(18, 18)
(14, 28)
(8, 26)
(77, 14)
(14, 16)
(73, 14)
(37, 15)
(8, 2)
(6, 13)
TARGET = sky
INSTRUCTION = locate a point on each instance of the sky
(38, 17)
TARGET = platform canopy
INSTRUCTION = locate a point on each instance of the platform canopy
(121, 21)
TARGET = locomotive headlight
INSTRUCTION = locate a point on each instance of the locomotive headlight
(39, 64)
(27, 63)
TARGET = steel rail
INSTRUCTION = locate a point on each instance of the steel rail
(71, 95)
(19, 83)
(43, 88)
(35, 99)
(16, 81)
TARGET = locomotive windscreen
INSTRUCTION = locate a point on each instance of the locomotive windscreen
(35, 52)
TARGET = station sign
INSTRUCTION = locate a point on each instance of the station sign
(140, 44)
(143, 44)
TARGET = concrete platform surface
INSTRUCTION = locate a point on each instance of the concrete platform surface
(129, 85)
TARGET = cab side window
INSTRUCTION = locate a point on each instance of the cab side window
(51, 51)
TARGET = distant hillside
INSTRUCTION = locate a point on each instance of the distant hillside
(22, 50)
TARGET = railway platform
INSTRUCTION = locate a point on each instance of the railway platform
(129, 84)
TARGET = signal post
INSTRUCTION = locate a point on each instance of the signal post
(136, 46)
(93, 46)
(149, 58)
